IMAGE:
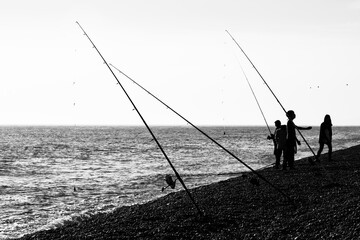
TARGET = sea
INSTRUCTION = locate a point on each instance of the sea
(50, 175)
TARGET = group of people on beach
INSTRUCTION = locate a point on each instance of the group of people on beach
(285, 140)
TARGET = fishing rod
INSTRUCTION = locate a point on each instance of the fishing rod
(148, 128)
(262, 113)
(206, 135)
(256, 70)
(270, 90)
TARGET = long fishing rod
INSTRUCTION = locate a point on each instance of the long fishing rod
(206, 135)
(269, 89)
(148, 128)
(257, 102)
(256, 70)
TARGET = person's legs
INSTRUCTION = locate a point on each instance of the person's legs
(291, 156)
(291, 160)
(285, 161)
(319, 152)
(288, 154)
(330, 151)
(277, 157)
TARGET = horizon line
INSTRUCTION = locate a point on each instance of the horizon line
(154, 125)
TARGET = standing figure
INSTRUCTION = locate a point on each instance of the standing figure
(291, 140)
(325, 137)
(279, 138)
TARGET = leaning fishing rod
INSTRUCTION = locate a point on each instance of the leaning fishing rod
(206, 135)
(256, 70)
(148, 128)
(269, 89)
(257, 102)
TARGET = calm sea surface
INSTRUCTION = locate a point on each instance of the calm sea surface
(50, 175)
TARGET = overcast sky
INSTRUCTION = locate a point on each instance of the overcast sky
(308, 51)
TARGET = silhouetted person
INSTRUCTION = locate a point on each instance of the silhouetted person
(291, 140)
(279, 138)
(325, 137)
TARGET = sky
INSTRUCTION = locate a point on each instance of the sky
(307, 51)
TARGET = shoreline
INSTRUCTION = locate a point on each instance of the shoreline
(324, 205)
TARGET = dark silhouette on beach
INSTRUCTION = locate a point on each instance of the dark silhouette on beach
(291, 140)
(325, 137)
(279, 138)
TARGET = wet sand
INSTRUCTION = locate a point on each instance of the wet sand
(319, 201)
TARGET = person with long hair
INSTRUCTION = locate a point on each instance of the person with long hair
(325, 137)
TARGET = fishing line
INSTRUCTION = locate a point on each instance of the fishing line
(270, 90)
(206, 135)
(148, 128)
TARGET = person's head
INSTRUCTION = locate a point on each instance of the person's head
(291, 114)
(277, 123)
(327, 119)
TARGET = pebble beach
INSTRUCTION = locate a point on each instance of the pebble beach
(318, 201)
